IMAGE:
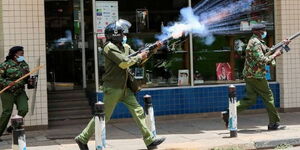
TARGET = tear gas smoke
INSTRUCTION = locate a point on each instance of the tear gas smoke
(207, 18)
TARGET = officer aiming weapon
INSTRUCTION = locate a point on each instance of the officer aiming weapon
(282, 45)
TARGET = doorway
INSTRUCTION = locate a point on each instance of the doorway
(64, 45)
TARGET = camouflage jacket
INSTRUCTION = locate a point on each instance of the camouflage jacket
(11, 71)
(256, 61)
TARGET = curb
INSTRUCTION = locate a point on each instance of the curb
(275, 143)
(268, 144)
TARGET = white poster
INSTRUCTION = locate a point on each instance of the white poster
(183, 77)
(106, 13)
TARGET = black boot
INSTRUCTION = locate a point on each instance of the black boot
(9, 129)
(275, 126)
(1, 140)
(81, 145)
(156, 142)
(225, 117)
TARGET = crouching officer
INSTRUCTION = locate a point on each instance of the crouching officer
(115, 88)
(254, 73)
(12, 69)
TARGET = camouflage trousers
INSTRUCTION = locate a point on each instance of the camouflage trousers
(255, 88)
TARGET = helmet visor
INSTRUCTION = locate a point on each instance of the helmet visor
(125, 24)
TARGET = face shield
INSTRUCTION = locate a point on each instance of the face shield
(124, 24)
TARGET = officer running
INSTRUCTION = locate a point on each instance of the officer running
(115, 88)
(254, 73)
(12, 69)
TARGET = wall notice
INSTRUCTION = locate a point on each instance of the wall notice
(106, 13)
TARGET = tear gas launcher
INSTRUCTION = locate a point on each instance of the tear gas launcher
(152, 46)
(282, 45)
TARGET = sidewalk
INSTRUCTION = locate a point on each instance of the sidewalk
(181, 134)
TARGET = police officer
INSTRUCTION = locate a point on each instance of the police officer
(115, 88)
(254, 73)
(12, 69)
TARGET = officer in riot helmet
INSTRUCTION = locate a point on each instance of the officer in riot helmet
(115, 88)
(114, 32)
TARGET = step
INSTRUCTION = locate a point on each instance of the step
(66, 91)
(66, 95)
(68, 108)
(73, 112)
(67, 104)
(69, 99)
(70, 117)
(58, 123)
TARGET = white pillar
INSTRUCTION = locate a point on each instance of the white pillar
(191, 53)
(83, 43)
(95, 47)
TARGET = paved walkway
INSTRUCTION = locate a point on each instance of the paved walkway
(181, 134)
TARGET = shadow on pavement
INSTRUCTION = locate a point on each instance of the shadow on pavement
(248, 124)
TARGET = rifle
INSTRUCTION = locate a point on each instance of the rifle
(152, 46)
(282, 45)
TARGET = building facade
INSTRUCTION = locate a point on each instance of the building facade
(32, 24)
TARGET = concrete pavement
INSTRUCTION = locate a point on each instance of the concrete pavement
(196, 133)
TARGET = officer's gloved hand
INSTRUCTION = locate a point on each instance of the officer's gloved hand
(31, 83)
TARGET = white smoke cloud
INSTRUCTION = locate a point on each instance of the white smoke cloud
(198, 20)
(188, 23)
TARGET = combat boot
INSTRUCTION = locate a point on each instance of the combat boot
(275, 126)
(81, 145)
(155, 143)
(9, 129)
(225, 117)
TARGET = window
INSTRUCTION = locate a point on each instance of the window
(223, 60)
(217, 58)
(147, 18)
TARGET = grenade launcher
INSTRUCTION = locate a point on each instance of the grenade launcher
(282, 45)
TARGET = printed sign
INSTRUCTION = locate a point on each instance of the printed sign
(106, 13)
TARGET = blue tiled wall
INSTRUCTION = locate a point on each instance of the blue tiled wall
(186, 100)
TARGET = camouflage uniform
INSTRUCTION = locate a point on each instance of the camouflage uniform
(256, 84)
(9, 72)
(115, 90)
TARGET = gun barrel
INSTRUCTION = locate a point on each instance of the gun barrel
(151, 46)
(167, 39)
(277, 46)
(294, 36)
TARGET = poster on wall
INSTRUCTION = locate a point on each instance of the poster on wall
(106, 13)
(223, 71)
(183, 77)
(142, 20)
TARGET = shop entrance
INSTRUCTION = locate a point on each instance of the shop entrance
(65, 70)
(67, 75)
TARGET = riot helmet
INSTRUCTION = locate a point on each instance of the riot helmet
(114, 32)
